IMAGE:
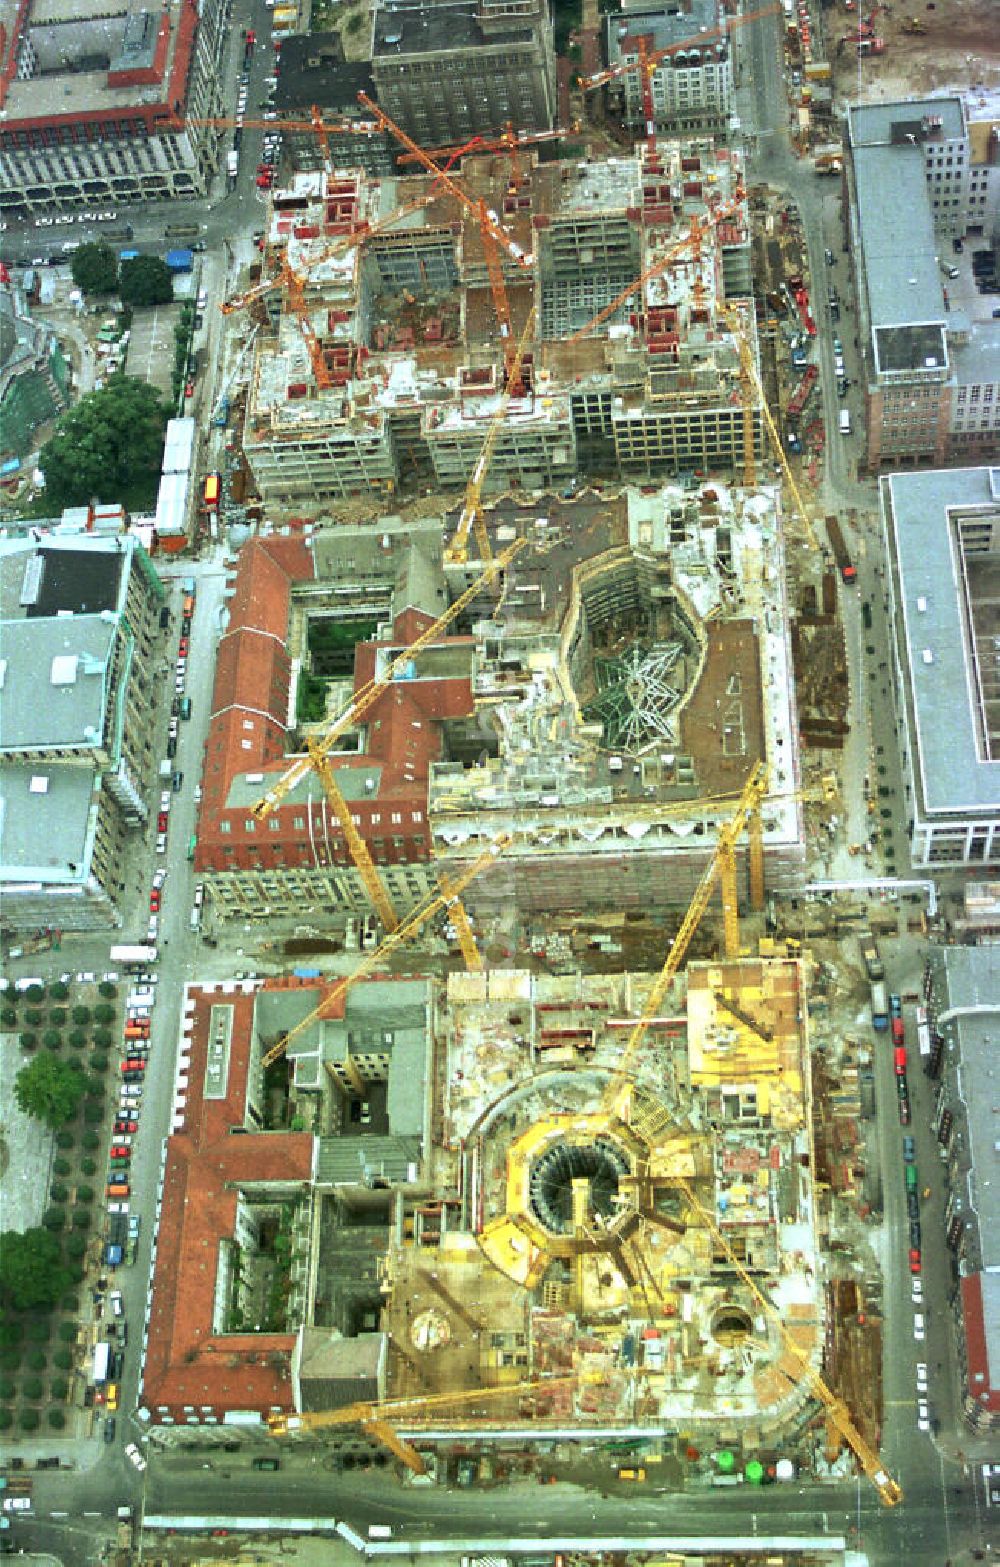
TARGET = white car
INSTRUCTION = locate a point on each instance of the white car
(86, 978)
(161, 843)
(923, 1415)
(921, 1376)
(917, 1291)
(17, 1504)
(133, 1454)
(26, 984)
(118, 1207)
(158, 880)
(115, 1300)
(152, 928)
(165, 800)
(918, 1327)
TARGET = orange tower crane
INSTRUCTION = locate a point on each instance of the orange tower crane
(497, 243)
(693, 239)
(646, 60)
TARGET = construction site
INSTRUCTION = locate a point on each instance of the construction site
(621, 283)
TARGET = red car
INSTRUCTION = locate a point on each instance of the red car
(123, 1126)
(914, 1259)
(154, 901)
(265, 180)
(189, 389)
(121, 1151)
(161, 822)
(899, 1060)
(136, 1064)
(182, 648)
(251, 36)
(897, 1031)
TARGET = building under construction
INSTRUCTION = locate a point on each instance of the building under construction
(389, 345)
(602, 720)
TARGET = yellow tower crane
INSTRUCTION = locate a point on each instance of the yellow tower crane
(749, 375)
(380, 1419)
(446, 899)
(722, 865)
(317, 754)
(457, 552)
(837, 1411)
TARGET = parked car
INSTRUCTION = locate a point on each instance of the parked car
(919, 1332)
(110, 1427)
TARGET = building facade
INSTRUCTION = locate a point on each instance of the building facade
(692, 87)
(77, 703)
(930, 350)
(960, 994)
(103, 109)
(942, 533)
(497, 58)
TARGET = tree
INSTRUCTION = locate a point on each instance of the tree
(28, 1419)
(54, 1218)
(8, 1017)
(56, 1418)
(58, 1192)
(50, 1090)
(28, 1040)
(52, 1039)
(32, 1272)
(63, 1359)
(146, 280)
(57, 1017)
(109, 445)
(104, 1013)
(76, 1245)
(58, 990)
(81, 1016)
(35, 994)
(107, 988)
(37, 1360)
(67, 1332)
(6, 1418)
(95, 268)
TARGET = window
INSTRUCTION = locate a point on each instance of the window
(249, 825)
(225, 826)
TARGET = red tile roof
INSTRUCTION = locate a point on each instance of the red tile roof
(980, 1386)
(249, 728)
(190, 1371)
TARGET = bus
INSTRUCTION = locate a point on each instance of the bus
(102, 1363)
(213, 489)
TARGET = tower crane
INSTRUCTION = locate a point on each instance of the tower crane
(722, 865)
(495, 238)
(837, 1411)
(446, 898)
(457, 552)
(699, 228)
(379, 1419)
(293, 282)
(646, 61)
(318, 751)
(373, 689)
(321, 129)
(509, 141)
(749, 374)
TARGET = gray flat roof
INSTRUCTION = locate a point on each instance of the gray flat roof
(904, 281)
(973, 975)
(246, 788)
(45, 823)
(871, 123)
(922, 517)
(54, 686)
(681, 26)
(428, 26)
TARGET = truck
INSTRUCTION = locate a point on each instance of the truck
(232, 164)
(880, 1006)
(139, 956)
(874, 967)
(842, 556)
(179, 260)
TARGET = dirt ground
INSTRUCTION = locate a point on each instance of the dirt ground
(960, 50)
